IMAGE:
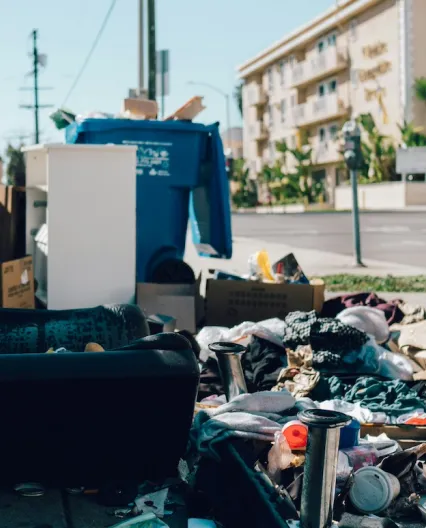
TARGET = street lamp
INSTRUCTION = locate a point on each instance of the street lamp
(223, 94)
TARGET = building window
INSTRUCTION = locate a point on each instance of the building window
(321, 46)
(282, 72)
(293, 101)
(331, 39)
(271, 78)
(321, 90)
(271, 115)
(332, 86)
(333, 131)
(322, 135)
(354, 78)
(272, 151)
(250, 95)
(283, 110)
(353, 29)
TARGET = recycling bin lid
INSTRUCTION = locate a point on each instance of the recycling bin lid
(100, 124)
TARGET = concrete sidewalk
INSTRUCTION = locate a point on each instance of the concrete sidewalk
(313, 262)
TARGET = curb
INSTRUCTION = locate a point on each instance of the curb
(301, 209)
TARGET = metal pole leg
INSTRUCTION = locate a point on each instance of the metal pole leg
(229, 359)
(319, 480)
(355, 218)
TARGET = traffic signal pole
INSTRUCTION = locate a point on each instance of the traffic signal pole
(141, 49)
(152, 52)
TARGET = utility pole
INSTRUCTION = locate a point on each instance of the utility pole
(35, 66)
(141, 49)
(38, 60)
(152, 52)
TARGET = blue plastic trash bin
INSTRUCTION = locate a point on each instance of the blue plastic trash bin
(181, 173)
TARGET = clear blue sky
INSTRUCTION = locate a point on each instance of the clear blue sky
(207, 41)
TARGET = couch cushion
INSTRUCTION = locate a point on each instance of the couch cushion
(111, 326)
(22, 339)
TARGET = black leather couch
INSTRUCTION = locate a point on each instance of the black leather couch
(36, 331)
(78, 419)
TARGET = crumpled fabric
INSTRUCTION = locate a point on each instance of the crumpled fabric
(249, 416)
(367, 319)
(271, 330)
(300, 382)
(391, 397)
(412, 313)
(262, 364)
(391, 309)
(355, 410)
(306, 328)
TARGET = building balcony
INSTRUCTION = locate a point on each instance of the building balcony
(258, 165)
(260, 132)
(320, 109)
(326, 152)
(331, 60)
(258, 96)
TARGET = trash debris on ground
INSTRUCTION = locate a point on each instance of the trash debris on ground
(361, 357)
(147, 520)
(310, 414)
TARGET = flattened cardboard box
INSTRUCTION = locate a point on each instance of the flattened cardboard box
(229, 303)
(17, 284)
(180, 301)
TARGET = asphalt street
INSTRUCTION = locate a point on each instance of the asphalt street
(397, 237)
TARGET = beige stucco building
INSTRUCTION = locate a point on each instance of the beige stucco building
(361, 56)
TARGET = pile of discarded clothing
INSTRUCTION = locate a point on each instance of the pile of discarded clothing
(362, 359)
(349, 355)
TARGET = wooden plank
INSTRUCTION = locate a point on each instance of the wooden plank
(396, 432)
(188, 111)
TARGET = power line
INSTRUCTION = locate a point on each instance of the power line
(92, 49)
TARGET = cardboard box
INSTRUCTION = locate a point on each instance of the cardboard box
(17, 284)
(229, 303)
(180, 301)
(141, 108)
(159, 324)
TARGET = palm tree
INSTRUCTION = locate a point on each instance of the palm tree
(378, 151)
(245, 194)
(412, 136)
(420, 88)
(15, 166)
(238, 96)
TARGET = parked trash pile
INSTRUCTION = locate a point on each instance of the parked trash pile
(361, 362)
(312, 417)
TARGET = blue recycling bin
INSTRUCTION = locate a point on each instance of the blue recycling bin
(181, 174)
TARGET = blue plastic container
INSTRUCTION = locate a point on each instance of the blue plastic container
(181, 173)
(349, 435)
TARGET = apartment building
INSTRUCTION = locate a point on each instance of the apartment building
(361, 56)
